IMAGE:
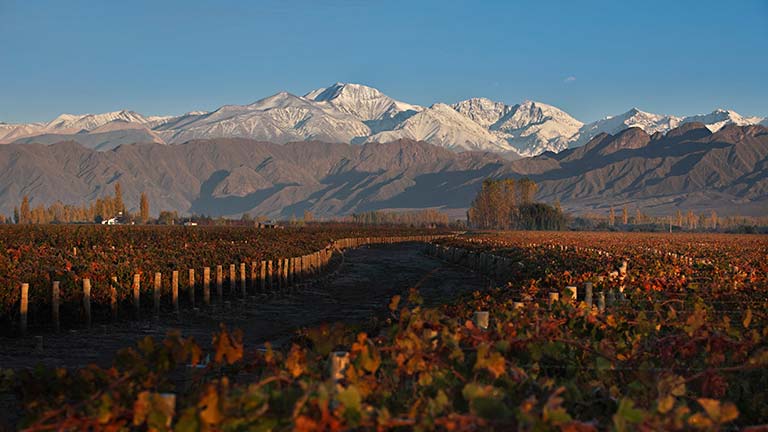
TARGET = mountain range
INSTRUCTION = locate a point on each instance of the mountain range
(693, 165)
(358, 114)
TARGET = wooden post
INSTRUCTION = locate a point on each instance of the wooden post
(254, 276)
(601, 301)
(87, 301)
(554, 297)
(481, 319)
(243, 287)
(232, 280)
(136, 295)
(158, 286)
(588, 294)
(207, 285)
(571, 291)
(55, 295)
(263, 276)
(24, 306)
(285, 272)
(219, 284)
(191, 287)
(113, 298)
(270, 279)
(175, 291)
(339, 361)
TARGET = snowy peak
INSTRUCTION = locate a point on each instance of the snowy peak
(357, 113)
(92, 121)
(365, 103)
(721, 117)
(650, 123)
(482, 111)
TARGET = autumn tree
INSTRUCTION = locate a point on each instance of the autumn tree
(624, 215)
(25, 214)
(144, 208)
(612, 217)
(119, 204)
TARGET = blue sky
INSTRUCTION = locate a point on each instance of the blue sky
(590, 58)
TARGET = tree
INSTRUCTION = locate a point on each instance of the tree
(119, 204)
(624, 215)
(713, 219)
(144, 208)
(16, 217)
(167, 217)
(679, 218)
(308, 216)
(26, 214)
(612, 217)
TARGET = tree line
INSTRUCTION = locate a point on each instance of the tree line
(100, 209)
(421, 218)
(509, 204)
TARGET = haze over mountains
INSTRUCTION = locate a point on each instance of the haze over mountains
(357, 114)
(689, 167)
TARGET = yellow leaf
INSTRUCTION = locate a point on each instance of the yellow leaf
(209, 406)
(295, 363)
(141, 408)
(711, 406)
(394, 303)
(665, 404)
(747, 318)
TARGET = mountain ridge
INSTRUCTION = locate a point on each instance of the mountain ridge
(689, 167)
(356, 113)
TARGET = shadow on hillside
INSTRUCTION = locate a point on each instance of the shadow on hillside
(210, 205)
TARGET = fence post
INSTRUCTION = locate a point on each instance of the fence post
(24, 306)
(254, 276)
(285, 272)
(243, 288)
(207, 285)
(191, 287)
(137, 295)
(157, 288)
(87, 301)
(175, 291)
(588, 294)
(55, 306)
(270, 279)
(263, 276)
(113, 298)
(219, 284)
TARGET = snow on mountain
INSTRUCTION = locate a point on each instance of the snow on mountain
(649, 122)
(482, 111)
(280, 118)
(70, 122)
(10, 132)
(374, 108)
(720, 117)
(442, 125)
(529, 128)
(355, 113)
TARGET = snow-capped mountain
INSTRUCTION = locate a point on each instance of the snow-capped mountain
(279, 118)
(444, 126)
(374, 108)
(529, 128)
(650, 123)
(721, 117)
(355, 113)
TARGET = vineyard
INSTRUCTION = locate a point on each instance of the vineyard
(578, 332)
(122, 263)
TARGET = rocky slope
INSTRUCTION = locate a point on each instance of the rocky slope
(688, 167)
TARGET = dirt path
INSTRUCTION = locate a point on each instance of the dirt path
(365, 282)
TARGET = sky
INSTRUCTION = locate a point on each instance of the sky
(590, 58)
